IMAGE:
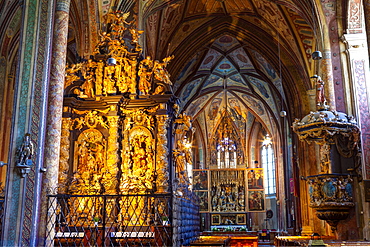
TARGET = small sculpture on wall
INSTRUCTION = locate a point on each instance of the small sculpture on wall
(182, 152)
(320, 93)
(25, 153)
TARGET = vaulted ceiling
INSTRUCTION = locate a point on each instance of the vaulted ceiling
(255, 53)
(251, 57)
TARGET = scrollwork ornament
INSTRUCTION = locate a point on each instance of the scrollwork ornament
(138, 117)
(354, 15)
(91, 120)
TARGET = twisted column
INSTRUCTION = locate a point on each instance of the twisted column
(54, 118)
(162, 154)
(64, 155)
(112, 154)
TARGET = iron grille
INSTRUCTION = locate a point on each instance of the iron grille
(109, 220)
(2, 204)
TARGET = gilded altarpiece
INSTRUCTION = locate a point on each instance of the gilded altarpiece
(137, 152)
(228, 190)
(137, 163)
(116, 121)
(89, 172)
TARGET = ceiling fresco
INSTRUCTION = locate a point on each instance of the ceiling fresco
(227, 82)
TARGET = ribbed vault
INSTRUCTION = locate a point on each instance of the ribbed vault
(256, 54)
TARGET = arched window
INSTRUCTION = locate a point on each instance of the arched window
(268, 163)
(226, 153)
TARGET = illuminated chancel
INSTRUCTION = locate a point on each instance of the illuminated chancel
(154, 122)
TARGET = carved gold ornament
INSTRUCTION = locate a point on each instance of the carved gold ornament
(117, 64)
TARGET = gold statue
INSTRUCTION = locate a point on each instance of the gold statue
(88, 86)
(102, 46)
(135, 35)
(325, 158)
(108, 82)
(160, 71)
(119, 77)
(71, 76)
(145, 74)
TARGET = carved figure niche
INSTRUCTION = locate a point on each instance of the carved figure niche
(89, 168)
(226, 148)
(90, 159)
(137, 175)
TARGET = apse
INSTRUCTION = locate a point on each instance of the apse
(235, 81)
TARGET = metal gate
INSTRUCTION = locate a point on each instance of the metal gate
(109, 220)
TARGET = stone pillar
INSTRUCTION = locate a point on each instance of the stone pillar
(367, 21)
(54, 117)
(64, 155)
(327, 76)
(331, 64)
(21, 212)
(358, 85)
(358, 63)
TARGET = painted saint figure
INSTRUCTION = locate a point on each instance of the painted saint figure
(320, 91)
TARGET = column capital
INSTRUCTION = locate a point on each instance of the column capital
(63, 5)
(354, 41)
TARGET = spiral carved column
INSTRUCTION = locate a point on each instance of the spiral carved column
(64, 155)
(162, 154)
(112, 156)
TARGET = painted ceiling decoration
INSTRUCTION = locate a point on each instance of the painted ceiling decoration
(283, 27)
(218, 51)
(226, 78)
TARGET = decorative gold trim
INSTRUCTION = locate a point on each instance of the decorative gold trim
(216, 219)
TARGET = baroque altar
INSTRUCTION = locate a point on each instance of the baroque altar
(117, 151)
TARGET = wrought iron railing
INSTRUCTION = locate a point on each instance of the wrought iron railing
(109, 220)
(2, 205)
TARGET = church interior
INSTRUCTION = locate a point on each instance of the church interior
(184, 123)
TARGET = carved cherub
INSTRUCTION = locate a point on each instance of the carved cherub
(121, 18)
(135, 34)
(71, 75)
(184, 119)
